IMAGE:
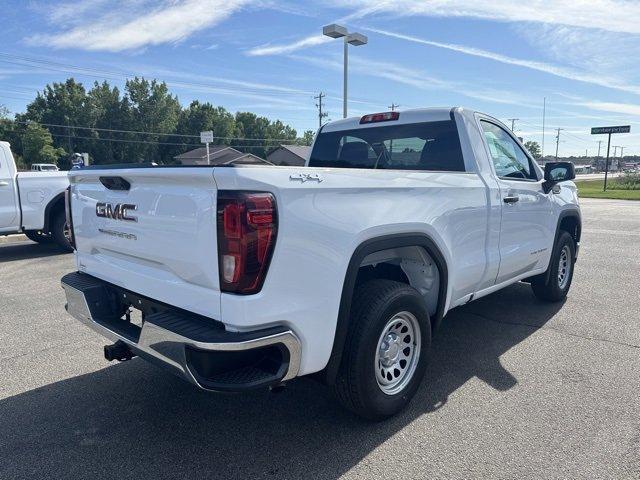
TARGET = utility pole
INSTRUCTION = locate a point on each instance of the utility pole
(392, 107)
(321, 114)
(558, 141)
(544, 116)
(599, 143)
(586, 153)
(513, 123)
(615, 150)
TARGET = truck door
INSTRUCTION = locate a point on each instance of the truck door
(8, 207)
(527, 229)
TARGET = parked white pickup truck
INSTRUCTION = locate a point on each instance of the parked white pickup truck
(32, 202)
(250, 276)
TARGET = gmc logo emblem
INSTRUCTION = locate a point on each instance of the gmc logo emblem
(119, 211)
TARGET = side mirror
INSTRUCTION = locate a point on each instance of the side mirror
(555, 172)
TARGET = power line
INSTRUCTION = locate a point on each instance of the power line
(139, 132)
(123, 140)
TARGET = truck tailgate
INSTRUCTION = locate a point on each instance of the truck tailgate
(157, 237)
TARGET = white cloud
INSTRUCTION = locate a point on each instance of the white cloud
(136, 25)
(611, 15)
(625, 108)
(557, 70)
(582, 47)
(418, 79)
(280, 49)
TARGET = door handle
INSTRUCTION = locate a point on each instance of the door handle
(511, 199)
(3, 183)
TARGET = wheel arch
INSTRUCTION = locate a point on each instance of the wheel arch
(54, 205)
(366, 248)
(569, 220)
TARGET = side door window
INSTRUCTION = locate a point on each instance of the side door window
(507, 156)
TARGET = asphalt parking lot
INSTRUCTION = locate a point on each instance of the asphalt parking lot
(515, 389)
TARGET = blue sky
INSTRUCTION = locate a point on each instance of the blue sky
(269, 57)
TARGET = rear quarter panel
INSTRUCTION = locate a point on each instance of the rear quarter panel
(322, 223)
(37, 189)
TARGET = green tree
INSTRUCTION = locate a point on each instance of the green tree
(260, 135)
(199, 117)
(109, 111)
(10, 131)
(65, 104)
(142, 123)
(534, 149)
(38, 146)
(307, 138)
(151, 108)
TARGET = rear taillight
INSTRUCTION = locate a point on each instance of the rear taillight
(247, 229)
(68, 231)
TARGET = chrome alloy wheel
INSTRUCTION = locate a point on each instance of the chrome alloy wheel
(564, 267)
(397, 353)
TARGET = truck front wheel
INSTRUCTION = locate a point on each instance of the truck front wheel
(386, 349)
(553, 285)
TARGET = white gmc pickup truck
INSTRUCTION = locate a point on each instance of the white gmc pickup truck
(250, 276)
(32, 202)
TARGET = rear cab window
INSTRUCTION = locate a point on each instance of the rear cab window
(424, 146)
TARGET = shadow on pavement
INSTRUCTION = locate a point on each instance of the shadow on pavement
(27, 250)
(131, 420)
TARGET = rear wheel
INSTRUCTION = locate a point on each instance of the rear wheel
(60, 231)
(385, 353)
(554, 285)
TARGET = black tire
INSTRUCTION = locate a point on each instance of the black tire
(552, 286)
(39, 237)
(357, 386)
(58, 225)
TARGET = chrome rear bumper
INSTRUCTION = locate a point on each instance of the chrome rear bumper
(190, 346)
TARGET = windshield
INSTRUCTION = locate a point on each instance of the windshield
(431, 146)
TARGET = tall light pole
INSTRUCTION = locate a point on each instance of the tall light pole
(355, 39)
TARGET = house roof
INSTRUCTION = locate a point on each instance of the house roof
(301, 151)
(219, 155)
(201, 152)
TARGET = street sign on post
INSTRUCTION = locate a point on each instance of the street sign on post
(619, 129)
(609, 131)
(206, 138)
